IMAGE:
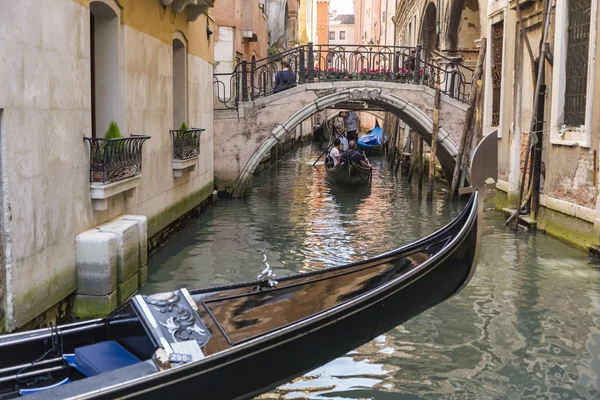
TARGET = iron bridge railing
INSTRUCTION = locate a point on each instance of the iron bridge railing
(324, 63)
(113, 160)
(186, 143)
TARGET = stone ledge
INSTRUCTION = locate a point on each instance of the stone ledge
(573, 210)
(101, 192)
(181, 165)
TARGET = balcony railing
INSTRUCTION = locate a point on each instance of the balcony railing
(113, 160)
(323, 63)
(186, 143)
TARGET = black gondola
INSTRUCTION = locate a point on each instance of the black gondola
(347, 172)
(237, 341)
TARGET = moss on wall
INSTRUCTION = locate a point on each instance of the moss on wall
(501, 200)
(164, 218)
(572, 230)
(36, 303)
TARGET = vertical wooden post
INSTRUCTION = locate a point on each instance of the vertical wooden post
(468, 118)
(434, 137)
(413, 158)
(420, 161)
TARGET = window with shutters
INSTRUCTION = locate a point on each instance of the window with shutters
(572, 93)
(497, 52)
(578, 46)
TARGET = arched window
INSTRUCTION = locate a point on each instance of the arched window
(179, 82)
(104, 61)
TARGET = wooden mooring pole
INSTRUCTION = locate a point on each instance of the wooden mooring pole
(420, 162)
(467, 133)
(434, 137)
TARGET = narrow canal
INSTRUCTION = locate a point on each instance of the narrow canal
(527, 326)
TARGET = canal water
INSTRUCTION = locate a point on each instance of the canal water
(526, 327)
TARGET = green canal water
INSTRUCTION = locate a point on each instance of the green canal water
(526, 327)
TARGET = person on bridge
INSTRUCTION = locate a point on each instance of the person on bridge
(335, 152)
(352, 123)
(354, 155)
(284, 79)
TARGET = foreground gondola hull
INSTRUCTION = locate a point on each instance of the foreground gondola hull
(276, 361)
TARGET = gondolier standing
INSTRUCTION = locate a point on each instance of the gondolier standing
(351, 123)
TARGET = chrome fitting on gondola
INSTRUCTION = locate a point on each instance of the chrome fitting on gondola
(266, 277)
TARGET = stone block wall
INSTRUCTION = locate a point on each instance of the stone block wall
(111, 265)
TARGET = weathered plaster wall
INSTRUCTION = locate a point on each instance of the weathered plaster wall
(469, 28)
(45, 81)
(237, 16)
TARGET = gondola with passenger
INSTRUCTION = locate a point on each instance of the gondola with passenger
(347, 172)
(237, 341)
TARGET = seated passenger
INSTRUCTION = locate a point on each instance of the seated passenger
(354, 155)
(335, 152)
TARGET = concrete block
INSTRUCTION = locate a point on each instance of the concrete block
(90, 306)
(128, 253)
(96, 254)
(142, 276)
(126, 289)
(142, 223)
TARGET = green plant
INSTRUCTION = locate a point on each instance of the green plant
(184, 127)
(113, 131)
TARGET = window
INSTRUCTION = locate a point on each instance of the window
(179, 83)
(572, 96)
(578, 46)
(104, 64)
(331, 35)
(342, 35)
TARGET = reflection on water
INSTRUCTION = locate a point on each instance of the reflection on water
(526, 327)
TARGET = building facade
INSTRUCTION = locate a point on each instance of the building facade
(307, 17)
(322, 22)
(374, 22)
(68, 70)
(450, 27)
(242, 32)
(567, 203)
(367, 22)
(341, 29)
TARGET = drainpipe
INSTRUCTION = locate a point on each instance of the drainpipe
(532, 137)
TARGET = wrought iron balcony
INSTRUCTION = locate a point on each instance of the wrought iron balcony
(186, 143)
(112, 160)
(186, 149)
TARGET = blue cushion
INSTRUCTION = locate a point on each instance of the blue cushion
(103, 357)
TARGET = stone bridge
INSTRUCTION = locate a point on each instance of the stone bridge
(244, 136)
(398, 79)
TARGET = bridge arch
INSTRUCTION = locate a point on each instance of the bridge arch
(412, 115)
